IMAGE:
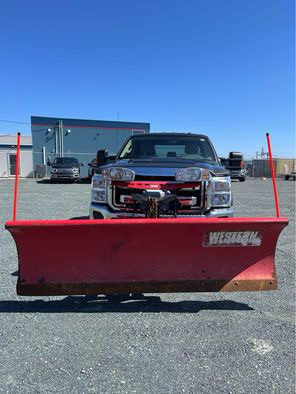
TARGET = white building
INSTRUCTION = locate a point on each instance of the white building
(8, 156)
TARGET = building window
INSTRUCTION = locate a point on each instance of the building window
(12, 164)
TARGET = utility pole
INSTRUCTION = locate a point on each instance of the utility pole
(56, 134)
(59, 139)
(62, 139)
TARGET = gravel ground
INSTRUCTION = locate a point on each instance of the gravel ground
(192, 343)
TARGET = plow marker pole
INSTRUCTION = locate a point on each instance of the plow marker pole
(272, 177)
(16, 176)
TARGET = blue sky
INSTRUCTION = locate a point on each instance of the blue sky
(221, 67)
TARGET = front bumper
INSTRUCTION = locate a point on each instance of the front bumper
(101, 211)
(65, 176)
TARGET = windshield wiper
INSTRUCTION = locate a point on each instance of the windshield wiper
(138, 157)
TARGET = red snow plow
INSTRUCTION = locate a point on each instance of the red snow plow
(116, 256)
(145, 255)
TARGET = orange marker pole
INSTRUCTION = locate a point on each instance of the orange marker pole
(16, 175)
(273, 177)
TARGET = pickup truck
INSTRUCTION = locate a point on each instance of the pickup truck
(290, 175)
(64, 169)
(162, 175)
(234, 163)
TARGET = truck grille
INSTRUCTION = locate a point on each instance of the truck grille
(65, 171)
(153, 178)
(199, 194)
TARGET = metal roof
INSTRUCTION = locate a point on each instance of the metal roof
(10, 139)
(84, 123)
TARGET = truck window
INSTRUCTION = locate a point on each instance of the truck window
(191, 148)
(66, 160)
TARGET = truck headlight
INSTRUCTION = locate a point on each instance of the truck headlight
(191, 174)
(99, 189)
(76, 170)
(53, 170)
(222, 186)
(98, 182)
(99, 195)
(219, 200)
(119, 174)
(220, 192)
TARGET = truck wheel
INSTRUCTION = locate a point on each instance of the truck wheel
(97, 215)
(287, 177)
(242, 179)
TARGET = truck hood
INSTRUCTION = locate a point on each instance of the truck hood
(68, 166)
(166, 167)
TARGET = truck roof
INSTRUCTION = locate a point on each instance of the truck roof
(168, 134)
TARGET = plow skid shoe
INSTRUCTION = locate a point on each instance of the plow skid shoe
(72, 257)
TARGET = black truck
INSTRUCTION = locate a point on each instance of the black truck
(234, 163)
(64, 169)
(162, 175)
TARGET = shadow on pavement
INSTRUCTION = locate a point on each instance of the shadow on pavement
(15, 273)
(62, 181)
(41, 181)
(80, 218)
(146, 304)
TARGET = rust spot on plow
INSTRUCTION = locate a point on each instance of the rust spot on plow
(48, 289)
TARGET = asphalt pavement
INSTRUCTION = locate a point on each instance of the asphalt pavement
(162, 343)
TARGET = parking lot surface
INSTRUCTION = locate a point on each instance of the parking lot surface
(162, 343)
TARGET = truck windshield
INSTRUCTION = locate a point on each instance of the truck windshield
(191, 148)
(66, 160)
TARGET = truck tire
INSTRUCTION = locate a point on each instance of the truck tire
(242, 179)
(98, 216)
(287, 177)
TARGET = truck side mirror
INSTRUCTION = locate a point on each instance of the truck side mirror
(49, 163)
(223, 160)
(102, 156)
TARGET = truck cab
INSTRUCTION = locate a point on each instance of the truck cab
(162, 175)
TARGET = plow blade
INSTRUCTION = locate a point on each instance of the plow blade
(64, 257)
